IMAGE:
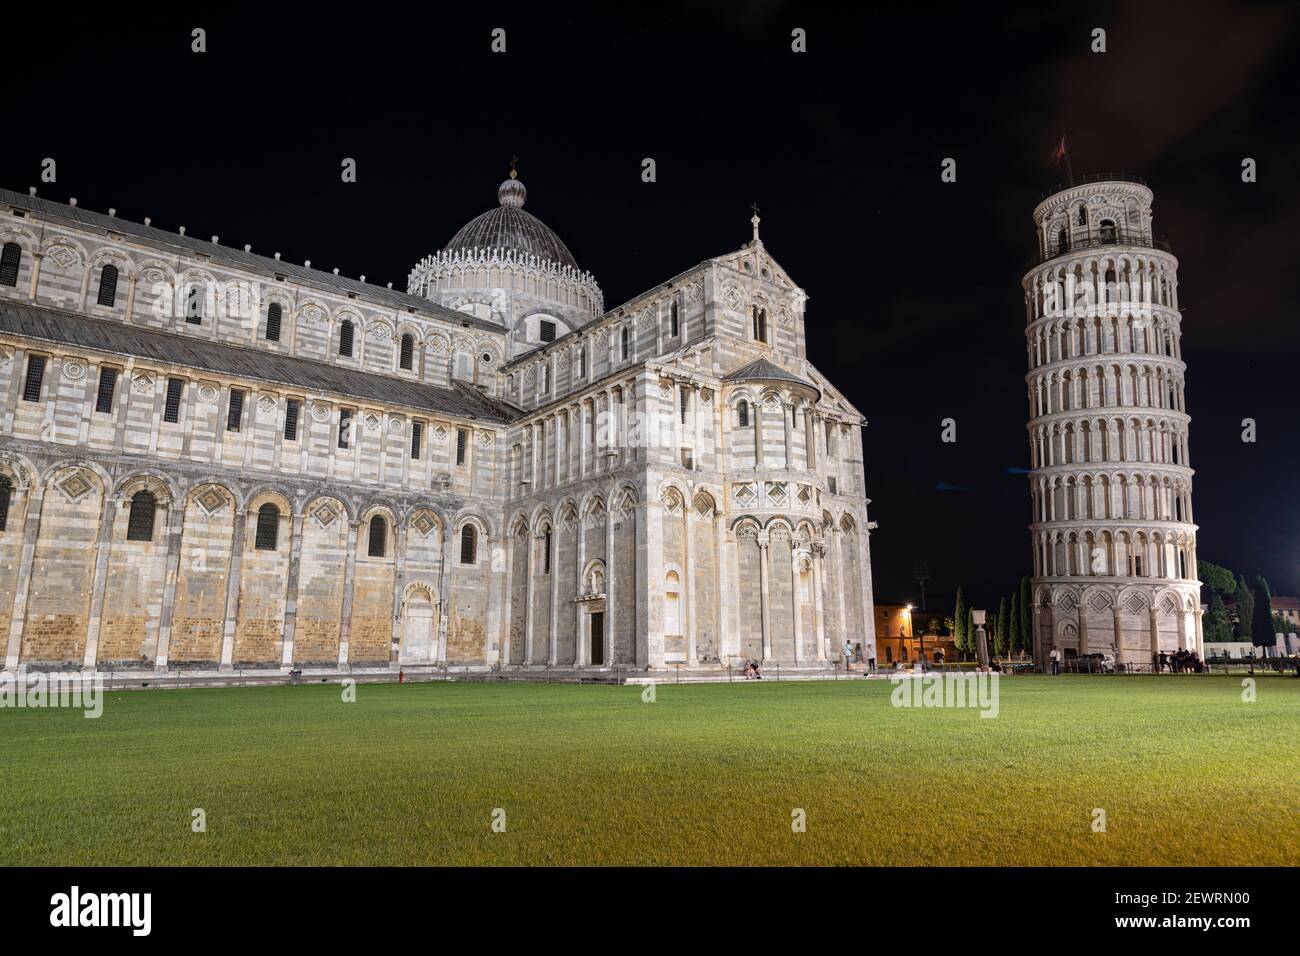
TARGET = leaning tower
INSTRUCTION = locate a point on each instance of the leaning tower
(1114, 562)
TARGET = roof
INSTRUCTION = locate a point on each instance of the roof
(764, 370)
(54, 325)
(379, 296)
(508, 227)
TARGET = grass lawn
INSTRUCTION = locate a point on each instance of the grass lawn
(709, 774)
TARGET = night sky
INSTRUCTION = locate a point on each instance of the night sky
(915, 307)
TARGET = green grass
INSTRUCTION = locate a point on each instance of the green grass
(1186, 772)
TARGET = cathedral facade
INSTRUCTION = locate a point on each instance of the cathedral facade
(1114, 543)
(212, 459)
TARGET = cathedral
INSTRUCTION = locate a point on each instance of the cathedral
(214, 460)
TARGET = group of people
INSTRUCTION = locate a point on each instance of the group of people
(853, 655)
(1180, 662)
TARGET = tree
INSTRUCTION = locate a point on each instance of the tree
(1216, 578)
(1262, 634)
(1014, 640)
(1244, 630)
(1003, 630)
(959, 635)
(972, 640)
(1026, 617)
(1218, 626)
(949, 626)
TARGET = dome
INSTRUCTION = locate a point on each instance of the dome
(510, 229)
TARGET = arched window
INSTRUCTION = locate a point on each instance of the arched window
(545, 377)
(1108, 231)
(468, 544)
(107, 285)
(1083, 215)
(194, 305)
(742, 413)
(623, 343)
(407, 353)
(268, 527)
(378, 536)
(1063, 241)
(673, 324)
(274, 315)
(139, 524)
(546, 553)
(582, 362)
(10, 259)
(760, 324)
(345, 338)
(6, 492)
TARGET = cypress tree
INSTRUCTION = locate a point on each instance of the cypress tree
(1262, 634)
(1245, 612)
(959, 637)
(1003, 632)
(1015, 639)
(1026, 617)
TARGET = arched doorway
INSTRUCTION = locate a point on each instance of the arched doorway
(419, 636)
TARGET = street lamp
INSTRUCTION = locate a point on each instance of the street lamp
(911, 632)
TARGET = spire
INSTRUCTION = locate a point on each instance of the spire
(754, 220)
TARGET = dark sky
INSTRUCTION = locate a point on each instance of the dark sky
(915, 305)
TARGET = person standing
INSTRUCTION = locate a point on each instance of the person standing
(1056, 662)
(848, 655)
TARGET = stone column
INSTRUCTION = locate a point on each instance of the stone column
(102, 552)
(697, 445)
(85, 287)
(553, 657)
(865, 593)
(581, 650)
(1155, 633)
(787, 426)
(31, 531)
(795, 600)
(291, 593)
(349, 581)
(721, 578)
(503, 656)
(688, 608)
(36, 275)
(764, 576)
(610, 588)
(444, 604)
(232, 589)
(131, 281)
(528, 607)
(399, 585)
(1119, 633)
(842, 579)
(1083, 628)
(819, 613)
(175, 532)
